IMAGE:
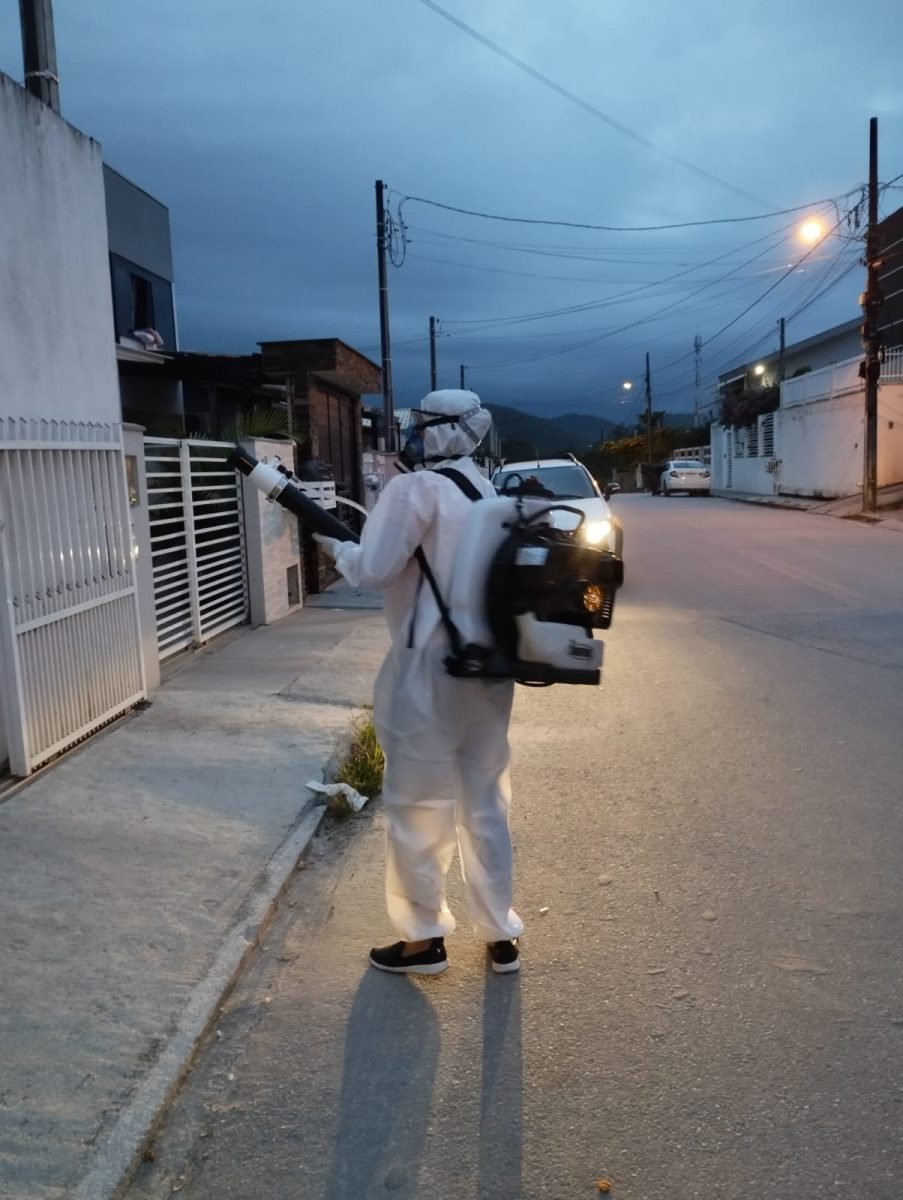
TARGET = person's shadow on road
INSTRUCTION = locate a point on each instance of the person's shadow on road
(500, 1170)
(389, 1069)
(389, 1072)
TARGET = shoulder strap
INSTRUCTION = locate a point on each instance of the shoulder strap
(454, 634)
(470, 490)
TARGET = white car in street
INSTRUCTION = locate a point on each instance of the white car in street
(685, 475)
(569, 482)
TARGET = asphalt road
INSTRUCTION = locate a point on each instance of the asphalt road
(709, 855)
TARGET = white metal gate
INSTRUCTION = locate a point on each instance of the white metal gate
(197, 541)
(70, 647)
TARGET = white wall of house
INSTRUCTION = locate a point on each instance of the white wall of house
(818, 448)
(821, 447)
(844, 344)
(272, 544)
(57, 357)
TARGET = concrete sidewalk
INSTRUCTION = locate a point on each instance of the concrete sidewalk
(847, 508)
(136, 875)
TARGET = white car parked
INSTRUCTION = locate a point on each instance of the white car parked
(685, 475)
(571, 483)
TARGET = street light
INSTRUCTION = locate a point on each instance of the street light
(812, 230)
(759, 369)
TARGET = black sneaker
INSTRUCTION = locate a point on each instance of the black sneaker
(504, 956)
(431, 961)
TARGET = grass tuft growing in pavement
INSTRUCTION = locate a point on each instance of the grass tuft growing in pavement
(362, 766)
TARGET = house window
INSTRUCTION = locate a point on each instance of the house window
(142, 302)
(752, 442)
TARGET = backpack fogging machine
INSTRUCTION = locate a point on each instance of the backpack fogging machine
(526, 596)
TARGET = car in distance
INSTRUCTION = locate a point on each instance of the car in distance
(685, 475)
(569, 482)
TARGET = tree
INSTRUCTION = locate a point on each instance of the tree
(743, 410)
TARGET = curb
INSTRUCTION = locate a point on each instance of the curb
(118, 1158)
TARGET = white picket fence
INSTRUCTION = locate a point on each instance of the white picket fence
(70, 657)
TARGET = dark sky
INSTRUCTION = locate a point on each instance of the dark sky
(263, 126)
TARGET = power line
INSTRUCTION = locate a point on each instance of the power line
(546, 221)
(780, 235)
(546, 81)
(793, 267)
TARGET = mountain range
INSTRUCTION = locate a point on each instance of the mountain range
(523, 435)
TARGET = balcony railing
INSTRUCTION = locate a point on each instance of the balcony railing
(892, 368)
(837, 380)
(840, 379)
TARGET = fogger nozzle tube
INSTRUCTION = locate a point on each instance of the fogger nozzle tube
(283, 490)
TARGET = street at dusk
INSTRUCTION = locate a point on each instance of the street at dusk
(451, 600)
(707, 862)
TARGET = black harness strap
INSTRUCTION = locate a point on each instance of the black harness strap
(472, 492)
(467, 486)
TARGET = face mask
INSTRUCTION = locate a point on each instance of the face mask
(412, 453)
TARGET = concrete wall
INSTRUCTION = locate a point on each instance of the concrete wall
(57, 357)
(752, 475)
(271, 542)
(820, 449)
(890, 434)
(844, 345)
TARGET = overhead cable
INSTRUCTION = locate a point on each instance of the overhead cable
(591, 109)
(470, 212)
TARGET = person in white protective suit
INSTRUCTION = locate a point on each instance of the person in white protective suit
(445, 739)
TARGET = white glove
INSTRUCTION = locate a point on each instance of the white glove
(329, 544)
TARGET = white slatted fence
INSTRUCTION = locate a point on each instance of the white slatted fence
(70, 656)
(197, 541)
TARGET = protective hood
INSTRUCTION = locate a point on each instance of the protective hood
(452, 423)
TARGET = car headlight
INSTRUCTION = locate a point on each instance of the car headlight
(595, 532)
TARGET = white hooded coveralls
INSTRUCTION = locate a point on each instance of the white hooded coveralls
(445, 739)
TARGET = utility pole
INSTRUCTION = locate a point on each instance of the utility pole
(648, 410)
(463, 369)
(39, 51)
(781, 326)
(871, 303)
(432, 354)
(382, 244)
(697, 376)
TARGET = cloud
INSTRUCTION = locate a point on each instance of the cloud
(263, 127)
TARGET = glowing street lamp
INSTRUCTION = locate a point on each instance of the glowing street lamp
(812, 231)
(759, 370)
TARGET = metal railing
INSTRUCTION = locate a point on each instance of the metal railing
(892, 367)
(837, 380)
(197, 541)
(70, 646)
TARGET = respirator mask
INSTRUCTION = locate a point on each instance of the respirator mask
(460, 436)
(412, 453)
